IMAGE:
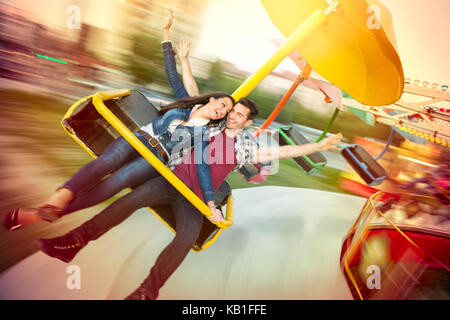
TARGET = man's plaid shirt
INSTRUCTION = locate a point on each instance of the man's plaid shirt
(245, 147)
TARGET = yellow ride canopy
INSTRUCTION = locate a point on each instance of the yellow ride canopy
(353, 48)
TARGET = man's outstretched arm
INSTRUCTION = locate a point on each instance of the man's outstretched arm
(267, 154)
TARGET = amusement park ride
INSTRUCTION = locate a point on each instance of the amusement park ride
(334, 39)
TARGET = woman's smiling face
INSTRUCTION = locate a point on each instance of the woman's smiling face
(219, 108)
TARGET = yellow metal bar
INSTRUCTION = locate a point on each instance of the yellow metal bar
(352, 278)
(68, 114)
(152, 159)
(305, 29)
(111, 94)
(230, 208)
(352, 248)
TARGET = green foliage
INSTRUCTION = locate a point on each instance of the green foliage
(145, 62)
(346, 122)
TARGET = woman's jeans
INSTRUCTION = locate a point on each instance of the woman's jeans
(128, 168)
(188, 224)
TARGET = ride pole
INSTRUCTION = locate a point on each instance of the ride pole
(306, 71)
(302, 31)
(330, 122)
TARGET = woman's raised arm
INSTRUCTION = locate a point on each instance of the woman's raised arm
(170, 65)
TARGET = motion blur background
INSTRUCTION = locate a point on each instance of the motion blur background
(54, 52)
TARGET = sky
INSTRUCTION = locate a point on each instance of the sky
(240, 31)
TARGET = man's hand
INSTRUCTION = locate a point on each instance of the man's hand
(183, 49)
(330, 142)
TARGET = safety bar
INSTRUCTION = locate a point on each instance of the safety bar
(97, 100)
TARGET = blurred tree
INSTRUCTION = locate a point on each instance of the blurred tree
(222, 79)
(145, 62)
(217, 81)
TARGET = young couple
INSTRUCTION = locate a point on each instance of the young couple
(230, 146)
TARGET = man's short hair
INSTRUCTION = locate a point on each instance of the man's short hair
(250, 105)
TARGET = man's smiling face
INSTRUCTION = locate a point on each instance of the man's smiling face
(238, 117)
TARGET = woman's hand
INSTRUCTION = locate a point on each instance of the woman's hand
(168, 25)
(183, 48)
(216, 217)
(217, 214)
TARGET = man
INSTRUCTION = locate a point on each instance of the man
(159, 191)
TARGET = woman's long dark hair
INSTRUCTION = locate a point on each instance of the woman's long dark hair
(190, 102)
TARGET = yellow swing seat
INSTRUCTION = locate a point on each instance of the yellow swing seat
(97, 120)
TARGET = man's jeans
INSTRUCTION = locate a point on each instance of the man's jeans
(129, 167)
(188, 224)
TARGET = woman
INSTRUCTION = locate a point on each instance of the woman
(187, 117)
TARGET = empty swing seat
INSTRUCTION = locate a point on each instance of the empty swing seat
(364, 164)
(249, 171)
(256, 173)
(310, 164)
